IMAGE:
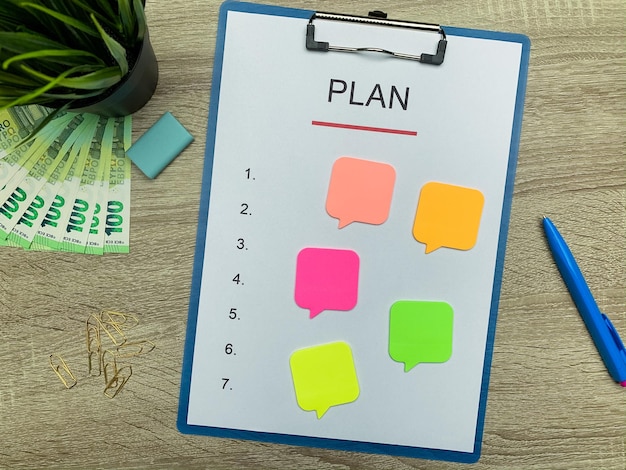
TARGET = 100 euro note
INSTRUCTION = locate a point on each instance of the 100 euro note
(84, 204)
(16, 164)
(53, 227)
(117, 219)
(95, 239)
(16, 124)
(16, 167)
(25, 190)
(24, 232)
(45, 191)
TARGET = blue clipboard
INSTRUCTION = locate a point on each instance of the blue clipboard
(236, 380)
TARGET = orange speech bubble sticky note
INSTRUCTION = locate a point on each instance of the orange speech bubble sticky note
(360, 191)
(324, 376)
(448, 215)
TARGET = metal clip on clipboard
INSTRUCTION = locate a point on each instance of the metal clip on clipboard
(377, 18)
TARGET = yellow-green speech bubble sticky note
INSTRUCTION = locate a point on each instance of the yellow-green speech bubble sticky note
(448, 215)
(324, 376)
(420, 331)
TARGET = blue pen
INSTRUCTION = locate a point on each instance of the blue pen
(602, 331)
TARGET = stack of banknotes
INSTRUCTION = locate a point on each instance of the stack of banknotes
(68, 187)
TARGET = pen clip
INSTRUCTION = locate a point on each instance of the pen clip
(616, 337)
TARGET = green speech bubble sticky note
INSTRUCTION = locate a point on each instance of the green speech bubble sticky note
(420, 331)
(324, 376)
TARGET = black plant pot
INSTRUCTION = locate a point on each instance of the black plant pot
(132, 93)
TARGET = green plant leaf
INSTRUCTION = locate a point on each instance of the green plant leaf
(91, 80)
(68, 20)
(7, 78)
(100, 79)
(69, 96)
(9, 92)
(138, 7)
(65, 57)
(127, 20)
(105, 6)
(21, 42)
(32, 97)
(115, 48)
(103, 11)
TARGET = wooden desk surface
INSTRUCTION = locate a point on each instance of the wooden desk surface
(551, 402)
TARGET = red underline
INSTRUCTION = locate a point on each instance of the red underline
(363, 128)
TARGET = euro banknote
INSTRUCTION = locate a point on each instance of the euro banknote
(50, 233)
(23, 234)
(95, 233)
(67, 187)
(83, 206)
(16, 124)
(15, 165)
(24, 190)
(117, 210)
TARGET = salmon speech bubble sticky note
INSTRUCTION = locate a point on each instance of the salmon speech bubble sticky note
(324, 376)
(448, 215)
(420, 331)
(327, 279)
(360, 191)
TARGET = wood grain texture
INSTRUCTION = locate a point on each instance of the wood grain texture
(551, 402)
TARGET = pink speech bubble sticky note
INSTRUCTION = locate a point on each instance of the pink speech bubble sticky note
(327, 279)
(360, 191)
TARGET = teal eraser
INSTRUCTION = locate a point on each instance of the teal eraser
(161, 144)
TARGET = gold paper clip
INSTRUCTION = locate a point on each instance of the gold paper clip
(108, 365)
(94, 356)
(94, 344)
(93, 339)
(117, 382)
(112, 329)
(63, 371)
(124, 321)
(135, 348)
